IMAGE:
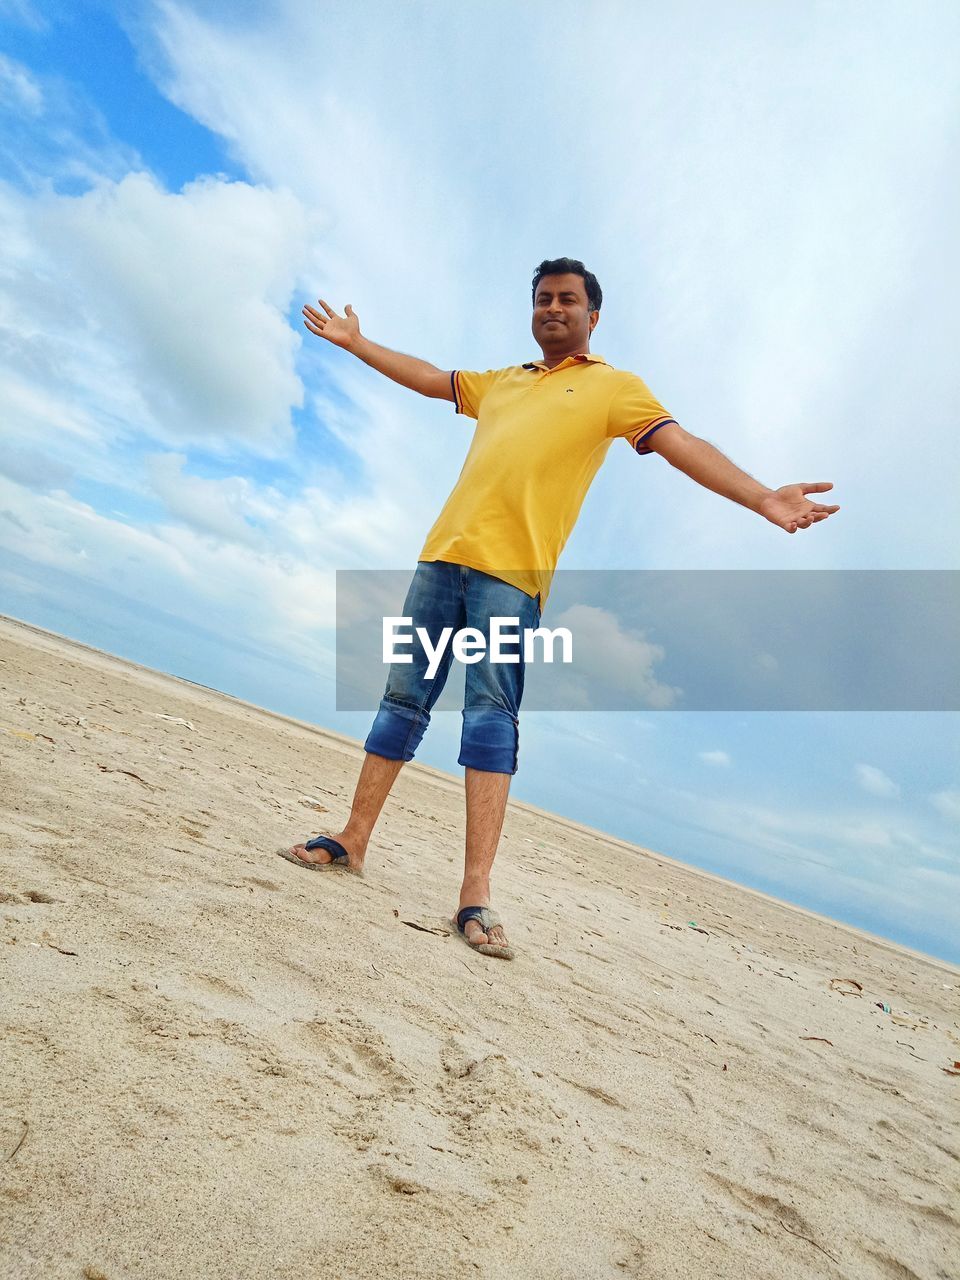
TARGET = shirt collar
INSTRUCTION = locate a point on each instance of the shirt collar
(586, 358)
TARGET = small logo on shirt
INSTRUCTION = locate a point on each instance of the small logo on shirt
(569, 391)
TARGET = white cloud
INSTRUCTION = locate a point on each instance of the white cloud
(719, 759)
(947, 804)
(947, 881)
(192, 290)
(607, 658)
(18, 88)
(129, 313)
(399, 215)
(24, 12)
(14, 520)
(33, 468)
(263, 594)
(875, 782)
(219, 507)
(924, 848)
(51, 132)
(863, 834)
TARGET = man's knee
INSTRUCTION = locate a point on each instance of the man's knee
(397, 731)
(490, 740)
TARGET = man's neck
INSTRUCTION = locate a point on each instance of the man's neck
(551, 361)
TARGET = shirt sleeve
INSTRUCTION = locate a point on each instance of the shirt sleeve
(635, 415)
(470, 388)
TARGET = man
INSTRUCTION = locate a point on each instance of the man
(543, 429)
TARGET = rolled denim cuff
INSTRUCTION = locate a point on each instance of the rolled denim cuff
(490, 740)
(396, 731)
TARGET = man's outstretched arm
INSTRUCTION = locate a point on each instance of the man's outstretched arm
(344, 331)
(787, 507)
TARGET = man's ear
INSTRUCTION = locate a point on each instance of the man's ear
(594, 320)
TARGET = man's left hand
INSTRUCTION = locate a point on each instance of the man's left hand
(789, 507)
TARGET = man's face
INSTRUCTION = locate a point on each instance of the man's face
(562, 319)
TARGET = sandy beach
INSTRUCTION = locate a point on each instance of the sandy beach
(216, 1064)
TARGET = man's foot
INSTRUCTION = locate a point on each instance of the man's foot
(321, 857)
(482, 930)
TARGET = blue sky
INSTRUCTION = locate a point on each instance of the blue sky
(769, 199)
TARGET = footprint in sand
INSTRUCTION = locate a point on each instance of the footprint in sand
(894, 1269)
(261, 884)
(766, 1206)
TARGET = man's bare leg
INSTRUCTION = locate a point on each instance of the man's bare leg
(486, 805)
(373, 786)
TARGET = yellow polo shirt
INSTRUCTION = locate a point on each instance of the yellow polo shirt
(540, 438)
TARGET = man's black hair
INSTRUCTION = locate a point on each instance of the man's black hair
(570, 267)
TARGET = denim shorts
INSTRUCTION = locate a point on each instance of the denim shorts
(453, 595)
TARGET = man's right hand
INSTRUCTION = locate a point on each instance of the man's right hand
(342, 331)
